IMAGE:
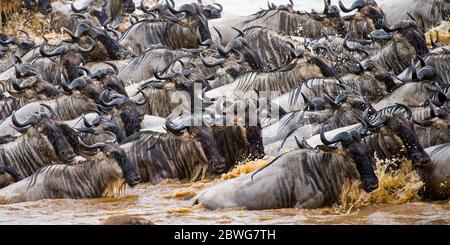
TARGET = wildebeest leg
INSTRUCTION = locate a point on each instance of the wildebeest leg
(313, 200)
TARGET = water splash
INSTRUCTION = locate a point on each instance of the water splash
(395, 187)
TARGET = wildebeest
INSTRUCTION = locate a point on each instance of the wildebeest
(44, 142)
(393, 129)
(281, 80)
(100, 175)
(300, 178)
(13, 48)
(29, 89)
(403, 46)
(145, 65)
(65, 60)
(94, 128)
(368, 12)
(436, 174)
(429, 13)
(178, 154)
(440, 61)
(123, 111)
(434, 129)
(343, 110)
(189, 31)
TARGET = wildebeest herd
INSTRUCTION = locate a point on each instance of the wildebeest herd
(138, 94)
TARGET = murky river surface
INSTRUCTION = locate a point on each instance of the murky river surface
(168, 202)
(159, 204)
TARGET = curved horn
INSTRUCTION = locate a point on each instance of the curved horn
(217, 62)
(80, 49)
(114, 66)
(74, 9)
(25, 33)
(58, 51)
(95, 146)
(241, 33)
(338, 138)
(18, 86)
(85, 70)
(30, 120)
(114, 102)
(144, 101)
(75, 84)
(376, 124)
(219, 5)
(385, 26)
(172, 128)
(186, 8)
(51, 112)
(356, 5)
(407, 109)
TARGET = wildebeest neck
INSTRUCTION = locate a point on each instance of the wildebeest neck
(364, 164)
(205, 136)
(410, 140)
(59, 141)
(417, 39)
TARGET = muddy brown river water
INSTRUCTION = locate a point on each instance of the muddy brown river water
(159, 204)
(395, 202)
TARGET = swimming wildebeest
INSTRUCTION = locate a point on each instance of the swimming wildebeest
(186, 152)
(44, 142)
(300, 178)
(100, 175)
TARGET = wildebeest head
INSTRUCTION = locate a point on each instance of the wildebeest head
(108, 78)
(56, 132)
(129, 6)
(368, 11)
(108, 45)
(371, 69)
(70, 56)
(247, 115)
(396, 121)
(99, 126)
(211, 11)
(411, 31)
(240, 46)
(24, 44)
(115, 155)
(34, 88)
(124, 112)
(350, 97)
(203, 133)
(85, 85)
(353, 147)
(193, 14)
